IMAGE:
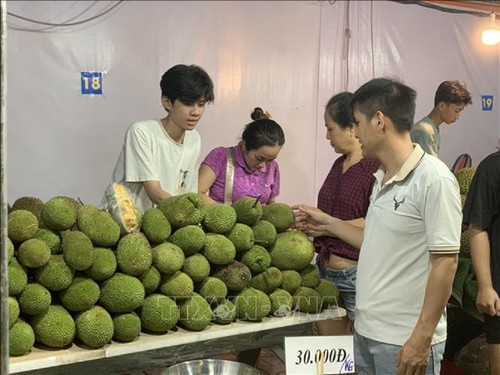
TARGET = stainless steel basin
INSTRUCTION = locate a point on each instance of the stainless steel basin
(210, 367)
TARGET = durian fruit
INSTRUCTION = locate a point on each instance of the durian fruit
(121, 206)
(280, 215)
(32, 204)
(464, 177)
(183, 210)
(464, 244)
(463, 198)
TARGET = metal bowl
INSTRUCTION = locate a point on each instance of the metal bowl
(210, 367)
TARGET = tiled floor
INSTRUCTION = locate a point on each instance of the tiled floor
(270, 363)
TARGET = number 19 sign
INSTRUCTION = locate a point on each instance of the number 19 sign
(487, 102)
(319, 355)
(91, 83)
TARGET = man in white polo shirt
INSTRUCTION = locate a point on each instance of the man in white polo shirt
(410, 243)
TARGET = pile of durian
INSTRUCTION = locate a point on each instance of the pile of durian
(81, 273)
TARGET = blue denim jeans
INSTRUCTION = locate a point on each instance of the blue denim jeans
(377, 358)
(345, 280)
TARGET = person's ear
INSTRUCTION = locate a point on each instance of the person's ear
(380, 118)
(167, 104)
(352, 130)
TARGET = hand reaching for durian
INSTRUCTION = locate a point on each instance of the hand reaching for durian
(300, 219)
(312, 221)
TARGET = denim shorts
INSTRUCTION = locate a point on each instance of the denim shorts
(377, 358)
(345, 280)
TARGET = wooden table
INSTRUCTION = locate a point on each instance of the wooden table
(178, 345)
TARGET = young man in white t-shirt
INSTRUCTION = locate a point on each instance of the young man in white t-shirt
(410, 243)
(160, 158)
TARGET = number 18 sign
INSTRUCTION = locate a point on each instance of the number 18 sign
(319, 355)
(91, 83)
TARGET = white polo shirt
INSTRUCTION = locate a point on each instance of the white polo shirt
(414, 214)
(150, 154)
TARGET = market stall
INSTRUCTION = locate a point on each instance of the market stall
(162, 350)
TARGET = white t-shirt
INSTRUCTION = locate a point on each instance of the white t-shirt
(414, 214)
(149, 154)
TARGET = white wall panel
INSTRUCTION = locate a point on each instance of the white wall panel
(420, 46)
(258, 54)
(425, 47)
(288, 57)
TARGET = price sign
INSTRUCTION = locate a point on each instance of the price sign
(487, 102)
(319, 355)
(91, 83)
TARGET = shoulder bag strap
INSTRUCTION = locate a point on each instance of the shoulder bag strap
(228, 189)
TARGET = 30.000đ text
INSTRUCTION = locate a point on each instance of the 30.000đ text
(326, 355)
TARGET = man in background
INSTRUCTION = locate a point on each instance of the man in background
(482, 215)
(449, 101)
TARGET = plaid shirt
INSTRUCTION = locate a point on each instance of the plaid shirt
(345, 196)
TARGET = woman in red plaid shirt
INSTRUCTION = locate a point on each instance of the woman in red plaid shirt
(345, 194)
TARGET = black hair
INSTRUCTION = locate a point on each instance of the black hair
(394, 99)
(262, 131)
(188, 84)
(340, 111)
(452, 92)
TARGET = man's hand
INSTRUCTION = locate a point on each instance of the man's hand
(300, 218)
(312, 221)
(488, 302)
(413, 358)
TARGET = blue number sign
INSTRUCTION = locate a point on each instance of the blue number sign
(487, 102)
(91, 83)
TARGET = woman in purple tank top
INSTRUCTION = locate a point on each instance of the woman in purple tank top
(253, 168)
(253, 171)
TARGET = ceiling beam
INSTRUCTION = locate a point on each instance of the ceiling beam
(483, 6)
